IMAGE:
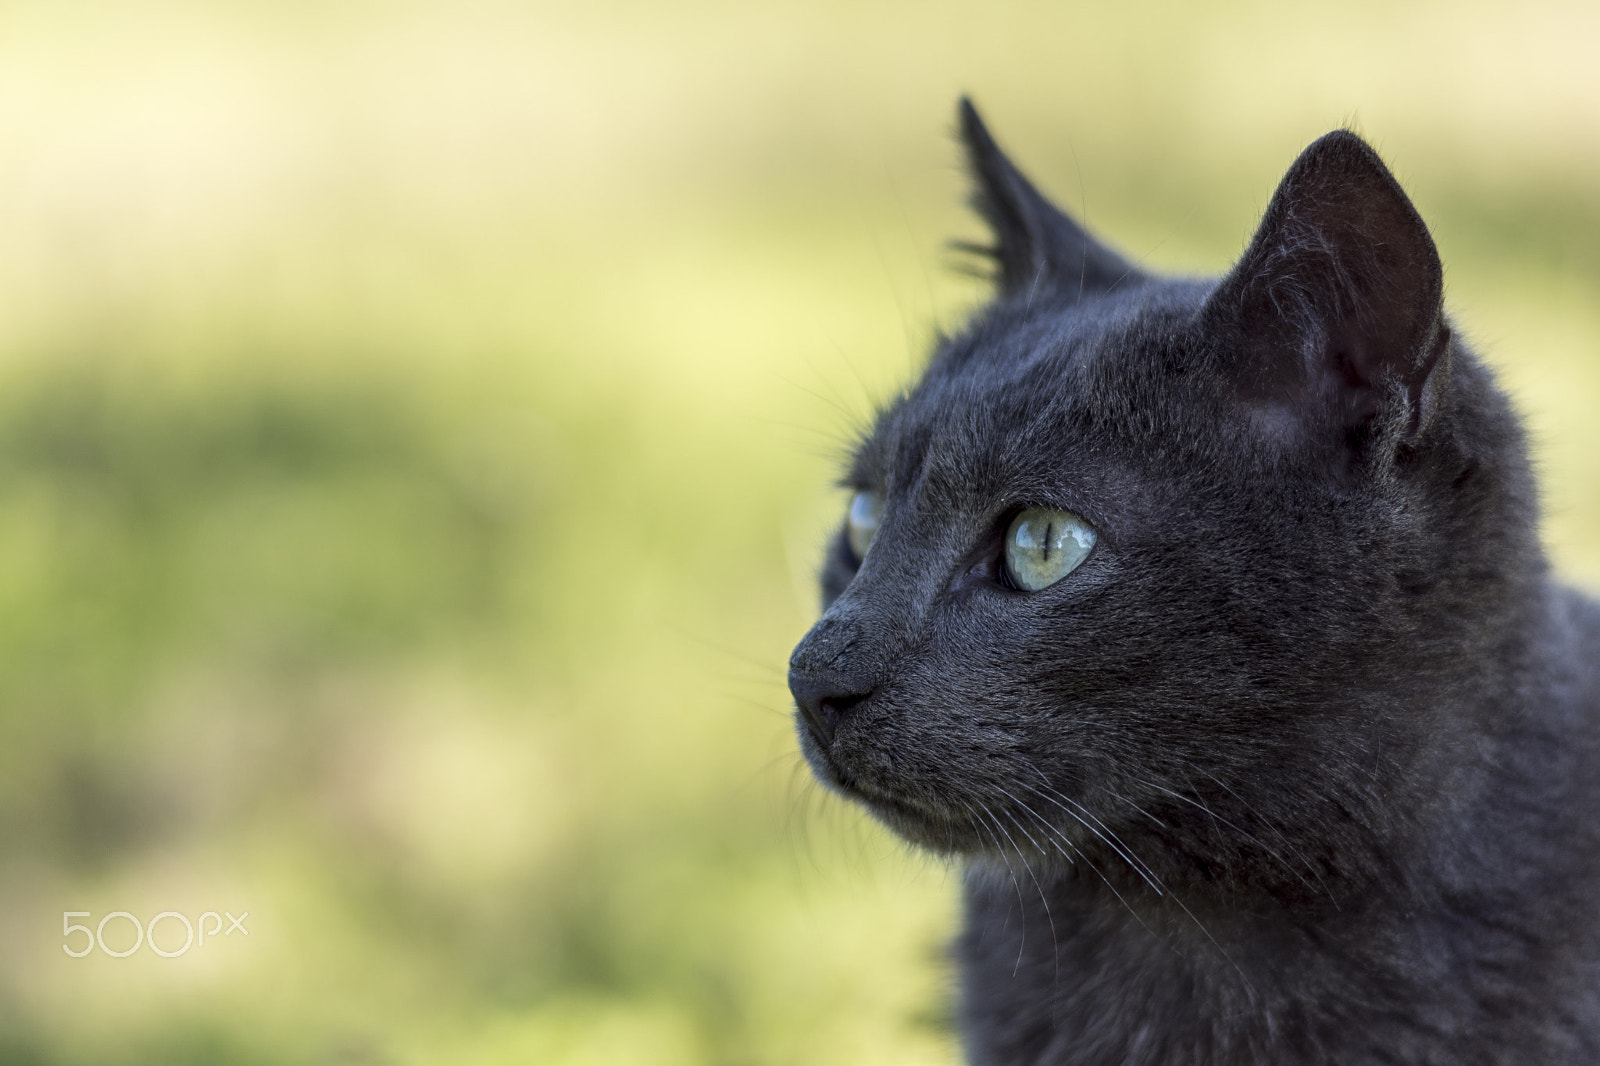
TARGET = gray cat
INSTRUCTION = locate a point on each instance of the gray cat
(1207, 622)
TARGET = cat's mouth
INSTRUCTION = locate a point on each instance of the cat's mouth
(920, 823)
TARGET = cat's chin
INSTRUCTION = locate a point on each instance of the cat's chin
(932, 833)
(935, 831)
(917, 823)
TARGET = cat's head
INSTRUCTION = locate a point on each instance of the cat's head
(1197, 561)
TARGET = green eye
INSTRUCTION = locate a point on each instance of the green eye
(866, 511)
(1045, 545)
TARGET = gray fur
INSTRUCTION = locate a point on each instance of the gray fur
(1300, 765)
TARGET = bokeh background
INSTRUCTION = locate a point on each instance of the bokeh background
(416, 429)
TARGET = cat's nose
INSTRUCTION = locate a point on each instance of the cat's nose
(830, 672)
(825, 697)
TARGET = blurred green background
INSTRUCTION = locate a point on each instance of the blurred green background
(416, 424)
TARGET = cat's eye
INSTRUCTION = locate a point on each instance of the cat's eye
(1044, 545)
(861, 524)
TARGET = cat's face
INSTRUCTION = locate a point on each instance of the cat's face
(1259, 468)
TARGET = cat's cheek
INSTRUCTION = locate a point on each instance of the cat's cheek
(838, 569)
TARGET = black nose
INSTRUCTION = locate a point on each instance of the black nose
(825, 697)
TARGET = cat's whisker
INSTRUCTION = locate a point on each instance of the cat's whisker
(1055, 838)
(1146, 815)
(1022, 909)
(1217, 821)
(1220, 821)
(794, 759)
(1109, 838)
(1050, 920)
(1021, 829)
(1140, 868)
(981, 827)
(801, 789)
(1064, 839)
(1249, 986)
(1270, 824)
(1059, 840)
(837, 402)
(867, 395)
(762, 665)
(765, 706)
(1035, 815)
(995, 820)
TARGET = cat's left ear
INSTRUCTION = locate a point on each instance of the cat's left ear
(1333, 318)
(1039, 250)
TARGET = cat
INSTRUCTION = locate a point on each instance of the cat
(1206, 623)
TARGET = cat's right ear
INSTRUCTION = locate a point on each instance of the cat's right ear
(1332, 321)
(1036, 246)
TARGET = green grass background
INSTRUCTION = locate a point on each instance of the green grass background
(416, 424)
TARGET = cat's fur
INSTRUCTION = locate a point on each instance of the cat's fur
(1300, 766)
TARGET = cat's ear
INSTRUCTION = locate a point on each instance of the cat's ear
(1333, 318)
(1036, 246)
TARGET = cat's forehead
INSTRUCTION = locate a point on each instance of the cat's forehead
(1025, 390)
